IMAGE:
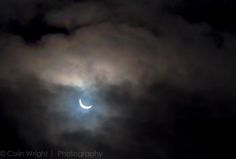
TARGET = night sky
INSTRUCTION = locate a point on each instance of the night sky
(160, 75)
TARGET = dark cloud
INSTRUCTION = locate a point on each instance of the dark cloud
(160, 76)
(219, 14)
(35, 29)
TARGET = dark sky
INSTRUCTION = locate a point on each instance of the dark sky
(160, 75)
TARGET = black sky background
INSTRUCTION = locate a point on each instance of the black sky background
(179, 102)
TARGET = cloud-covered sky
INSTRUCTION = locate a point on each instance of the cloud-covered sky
(160, 75)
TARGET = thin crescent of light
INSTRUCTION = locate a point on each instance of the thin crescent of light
(84, 106)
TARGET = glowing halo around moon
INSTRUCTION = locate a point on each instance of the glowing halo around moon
(84, 106)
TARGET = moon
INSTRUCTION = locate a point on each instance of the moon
(84, 106)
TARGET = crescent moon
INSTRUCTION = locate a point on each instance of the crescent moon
(84, 106)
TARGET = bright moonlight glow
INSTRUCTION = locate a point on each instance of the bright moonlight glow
(84, 106)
